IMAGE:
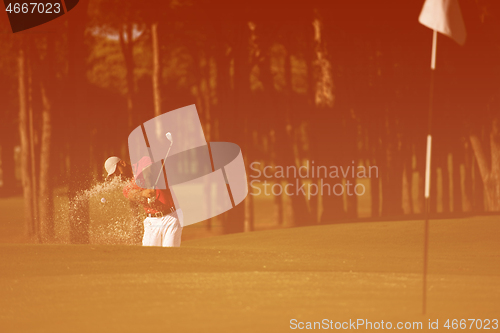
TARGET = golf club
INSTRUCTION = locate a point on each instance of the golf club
(169, 138)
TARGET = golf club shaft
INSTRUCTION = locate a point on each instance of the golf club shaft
(162, 165)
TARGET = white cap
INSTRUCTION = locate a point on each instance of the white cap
(110, 164)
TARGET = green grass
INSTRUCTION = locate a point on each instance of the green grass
(255, 282)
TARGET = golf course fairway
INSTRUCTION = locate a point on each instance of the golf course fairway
(258, 281)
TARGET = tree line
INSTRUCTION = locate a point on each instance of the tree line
(325, 81)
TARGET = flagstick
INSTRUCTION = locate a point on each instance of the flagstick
(433, 56)
(428, 171)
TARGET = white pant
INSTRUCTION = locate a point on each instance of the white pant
(162, 231)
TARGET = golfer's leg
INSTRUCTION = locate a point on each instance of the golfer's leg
(152, 232)
(179, 223)
(172, 231)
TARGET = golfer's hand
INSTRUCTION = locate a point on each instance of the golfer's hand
(149, 193)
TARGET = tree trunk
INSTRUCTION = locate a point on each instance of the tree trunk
(447, 183)
(249, 216)
(375, 191)
(278, 206)
(225, 110)
(301, 213)
(325, 143)
(392, 177)
(287, 156)
(78, 128)
(46, 203)
(468, 190)
(33, 156)
(457, 187)
(420, 158)
(127, 47)
(478, 192)
(235, 221)
(445, 180)
(406, 195)
(9, 184)
(156, 69)
(25, 144)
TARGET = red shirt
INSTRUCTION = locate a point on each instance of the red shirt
(163, 202)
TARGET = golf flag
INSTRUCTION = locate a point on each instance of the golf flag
(445, 17)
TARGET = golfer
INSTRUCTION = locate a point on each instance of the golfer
(161, 226)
